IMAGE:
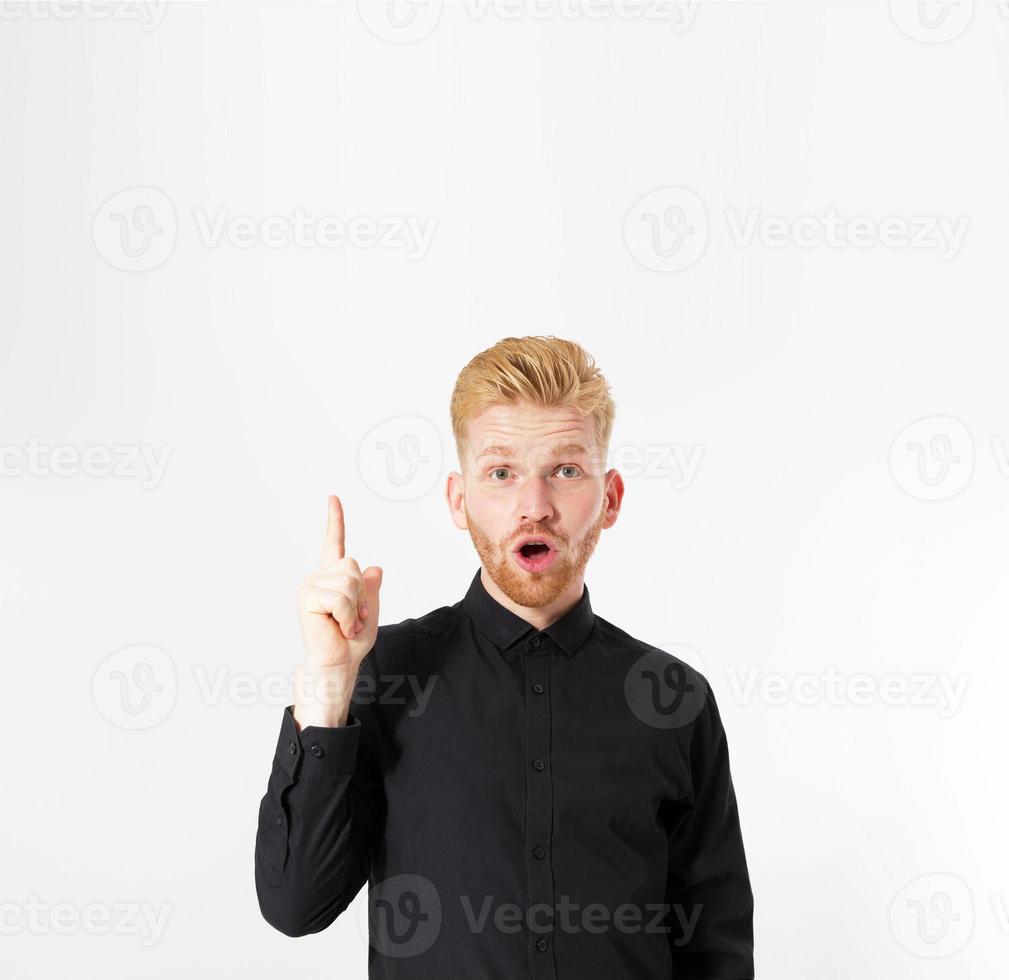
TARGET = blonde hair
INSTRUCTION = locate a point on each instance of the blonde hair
(547, 371)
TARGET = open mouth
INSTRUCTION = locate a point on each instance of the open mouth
(534, 550)
(535, 556)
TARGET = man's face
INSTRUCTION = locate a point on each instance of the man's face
(533, 472)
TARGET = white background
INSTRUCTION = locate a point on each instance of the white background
(585, 176)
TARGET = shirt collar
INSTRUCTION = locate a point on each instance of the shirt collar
(504, 627)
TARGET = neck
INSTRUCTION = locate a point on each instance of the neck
(539, 616)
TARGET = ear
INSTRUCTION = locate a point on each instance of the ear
(614, 495)
(454, 494)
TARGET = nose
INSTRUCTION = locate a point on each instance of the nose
(534, 504)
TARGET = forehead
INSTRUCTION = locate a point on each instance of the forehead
(527, 426)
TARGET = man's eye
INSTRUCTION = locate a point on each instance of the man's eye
(576, 471)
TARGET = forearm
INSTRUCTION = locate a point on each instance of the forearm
(322, 697)
(317, 824)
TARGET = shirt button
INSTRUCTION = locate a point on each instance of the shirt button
(316, 751)
(539, 853)
(292, 748)
(538, 688)
(539, 764)
(542, 945)
(535, 642)
(279, 820)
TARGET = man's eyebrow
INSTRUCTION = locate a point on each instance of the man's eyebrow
(570, 449)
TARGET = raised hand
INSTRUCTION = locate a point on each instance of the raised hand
(338, 608)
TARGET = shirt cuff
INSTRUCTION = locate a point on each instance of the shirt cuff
(317, 752)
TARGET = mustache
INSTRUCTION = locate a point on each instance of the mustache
(533, 531)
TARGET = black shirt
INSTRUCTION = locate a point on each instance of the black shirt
(552, 805)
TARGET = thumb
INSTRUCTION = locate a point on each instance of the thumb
(372, 576)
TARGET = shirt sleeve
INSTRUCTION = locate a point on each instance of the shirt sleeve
(319, 823)
(708, 885)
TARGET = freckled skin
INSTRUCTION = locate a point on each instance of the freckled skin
(500, 499)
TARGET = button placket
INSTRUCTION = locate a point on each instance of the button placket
(539, 804)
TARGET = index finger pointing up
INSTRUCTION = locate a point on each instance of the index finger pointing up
(332, 548)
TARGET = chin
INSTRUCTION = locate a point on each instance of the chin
(531, 589)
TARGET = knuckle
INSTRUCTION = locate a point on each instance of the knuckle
(351, 590)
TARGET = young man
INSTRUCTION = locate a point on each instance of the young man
(546, 796)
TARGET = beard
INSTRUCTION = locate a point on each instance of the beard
(535, 589)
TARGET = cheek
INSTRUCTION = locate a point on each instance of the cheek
(483, 512)
(584, 507)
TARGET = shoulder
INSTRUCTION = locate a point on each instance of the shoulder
(620, 643)
(662, 688)
(416, 633)
(435, 623)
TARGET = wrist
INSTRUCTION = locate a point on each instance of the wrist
(322, 696)
(306, 716)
